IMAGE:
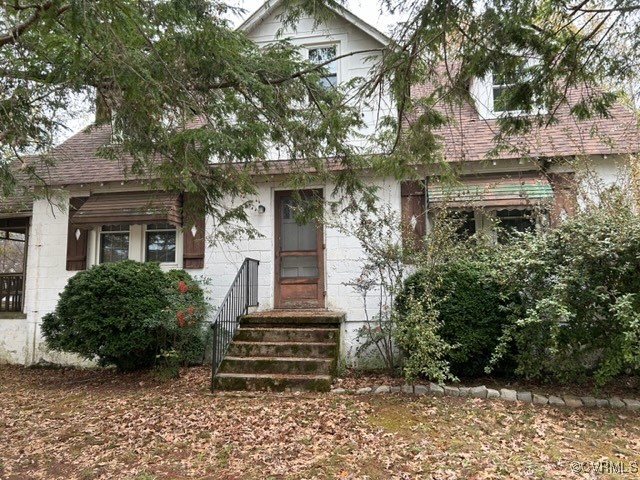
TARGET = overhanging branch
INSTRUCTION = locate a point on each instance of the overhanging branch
(17, 31)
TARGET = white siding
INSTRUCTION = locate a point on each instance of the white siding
(343, 261)
(348, 38)
(21, 340)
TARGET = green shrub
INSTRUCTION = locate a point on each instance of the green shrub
(181, 321)
(126, 314)
(577, 297)
(418, 334)
(469, 308)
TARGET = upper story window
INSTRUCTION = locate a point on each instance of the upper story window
(500, 86)
(492, 93)
(114, 243)
(321, 55)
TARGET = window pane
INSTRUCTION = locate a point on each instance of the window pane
(322, 55)
(115, 228)
(514, 221)
(305, 266)
(12, 251)
(161, 243)
(114, 247)
(497, 100)
(465, 222)
(329, 81)
(294, 236)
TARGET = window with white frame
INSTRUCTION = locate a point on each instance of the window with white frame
(160, 243)
(492, 93)
(155, 242)
(114, 243)
(500, 86)
(322, 55)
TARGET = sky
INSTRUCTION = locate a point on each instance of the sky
(367, 10)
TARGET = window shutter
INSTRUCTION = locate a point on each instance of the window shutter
(77, 239)
(414, 222)
(565, 201)
(193, 223)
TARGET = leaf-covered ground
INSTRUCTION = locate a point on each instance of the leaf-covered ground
(74, 424)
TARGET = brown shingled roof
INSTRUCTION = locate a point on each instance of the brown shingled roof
(470, 138)
(467, 138)
(76, 160)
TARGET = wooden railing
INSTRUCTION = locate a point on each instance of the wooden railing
(11, 291)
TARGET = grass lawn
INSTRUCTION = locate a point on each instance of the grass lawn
(75, 424)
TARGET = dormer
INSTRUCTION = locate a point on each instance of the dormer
(338, 35)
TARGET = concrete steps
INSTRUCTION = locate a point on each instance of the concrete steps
(273, 382)
(282, 351)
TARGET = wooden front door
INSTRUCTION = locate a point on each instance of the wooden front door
(299, 262)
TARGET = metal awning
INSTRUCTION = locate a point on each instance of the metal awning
(129, 208)
(482, 191)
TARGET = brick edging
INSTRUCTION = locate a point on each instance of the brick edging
(502, 394)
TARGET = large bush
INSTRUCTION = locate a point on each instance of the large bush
(577, 291)
(466, 300)
(128, 314)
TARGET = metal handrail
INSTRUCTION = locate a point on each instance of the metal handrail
(242, 294)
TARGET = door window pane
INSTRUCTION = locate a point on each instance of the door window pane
(303, 266)
(295, 237)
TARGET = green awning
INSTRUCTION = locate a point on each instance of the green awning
(509, 191)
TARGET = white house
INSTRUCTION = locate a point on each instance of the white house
(101, 219)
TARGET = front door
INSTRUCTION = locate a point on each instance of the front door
(299, 264)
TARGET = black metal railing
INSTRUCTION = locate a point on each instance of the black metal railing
(242, 294)
(11, 288)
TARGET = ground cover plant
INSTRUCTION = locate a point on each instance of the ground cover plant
(99, 424)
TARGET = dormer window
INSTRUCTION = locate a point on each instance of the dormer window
(500, 90)
(493, 96)
(321, 55)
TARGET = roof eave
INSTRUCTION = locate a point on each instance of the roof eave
(256, 17)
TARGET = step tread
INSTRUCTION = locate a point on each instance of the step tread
(286, 344)
(293, 376)
(294, 329)
(280, 359)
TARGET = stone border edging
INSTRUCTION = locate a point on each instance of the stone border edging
(502, 394)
